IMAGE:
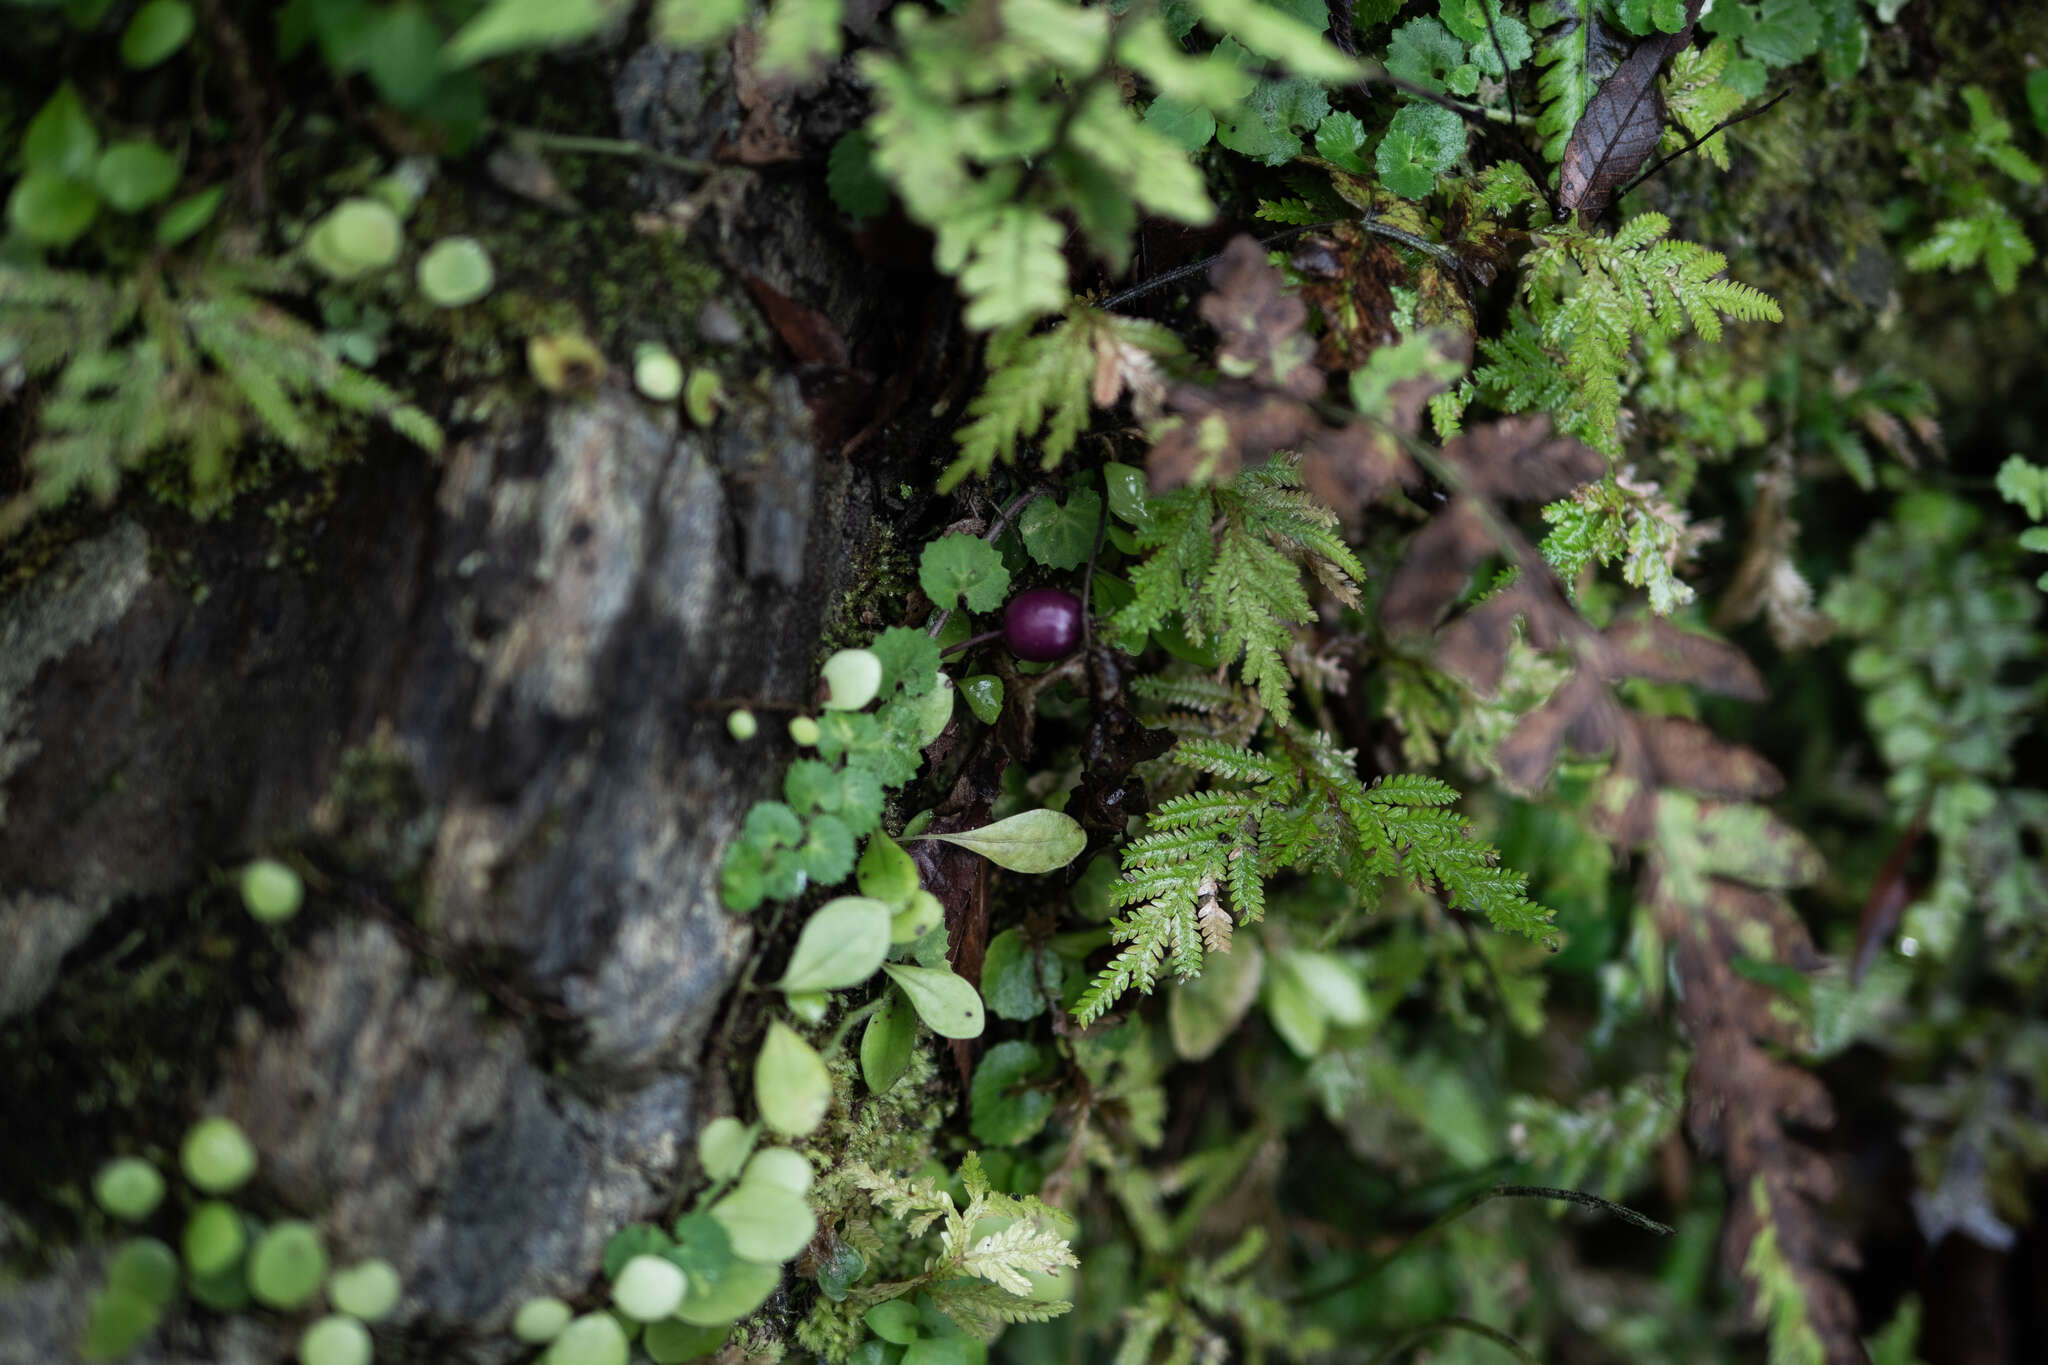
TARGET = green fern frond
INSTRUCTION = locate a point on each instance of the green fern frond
(1568, 82)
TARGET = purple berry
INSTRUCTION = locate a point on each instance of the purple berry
(1042, 625)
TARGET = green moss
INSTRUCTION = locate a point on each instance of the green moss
(878, 586)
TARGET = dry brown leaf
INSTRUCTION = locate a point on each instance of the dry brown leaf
(1686, 754)
(1650, 647)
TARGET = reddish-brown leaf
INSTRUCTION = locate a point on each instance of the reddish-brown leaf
(1517, 459)
(1260, 323)
(1621, 126)
(1433, 572)
(1686, 754)
(1653, 648)
(810, 335)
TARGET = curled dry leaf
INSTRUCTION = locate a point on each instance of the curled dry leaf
(1621, 127)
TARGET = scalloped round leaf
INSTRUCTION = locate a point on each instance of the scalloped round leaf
(1006, 1108)
(963, 570)
(841, 945)
(791, 1086)
(1016, 979)
(949, 1006)
(1060, 535)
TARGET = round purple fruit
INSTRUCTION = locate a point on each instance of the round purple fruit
(1042, 625)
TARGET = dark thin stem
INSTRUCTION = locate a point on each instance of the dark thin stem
(1088, 578)
(970, 642)
(1464, 1206)
(1507, 78)
(610, 146)
(1459, 1323)
(1172, 277)
(846, 1024)
(1442, 253)
(1723, 124)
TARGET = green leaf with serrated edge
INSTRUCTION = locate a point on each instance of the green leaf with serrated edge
(886, 1042)
(722, 1147)
(1340, 140)
(1187, 126)
(826, 854)
(887, 872)
(921, 916)
(963, 570)
(1005, 1108)
(841, 945)
(791, 1087)
(1059, 535)
(984, 693)
(771, 825)
(742, 879)
(765, 1222)
(1016, 979)
(1031, 841)
(910, 660)
(1423, 53)
(1422, 141)
(948, 1005)
(1203, 1012)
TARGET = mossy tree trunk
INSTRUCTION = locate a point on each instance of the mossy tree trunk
(476, 703)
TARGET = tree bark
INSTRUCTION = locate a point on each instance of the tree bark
(470, 706)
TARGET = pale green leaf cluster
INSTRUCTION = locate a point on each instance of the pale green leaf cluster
(1605, 521)
(1588, 299)
(1040, 384)
(210, 363)
(1026, 1238)
(1982, 229)
(990, 125)
(1227, 562)
(1296, 803)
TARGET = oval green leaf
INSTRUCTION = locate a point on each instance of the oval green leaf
(1033, 841)
(886, 1043)
(60, 139)
(852, 678)
(841, 945)
(948, 1005)
(723, 1146)
(984, 693)
(924, 914)
(50, 210)
(135, 173)
(783, 1167)
(455, 271)
(1201, 1013)
(886, 872)
(765, 1222)
(188, 215)
(790, 1083)
(158, 29)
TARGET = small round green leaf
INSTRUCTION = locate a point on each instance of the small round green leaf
(1006, 1108)
(791, 1086)
(593, 1339)
(129, 1188)
(886, 872)
(50, 210)
(455, 271)
(1016, 979)
(335, 1340)
(158, 29)
(188, 215)
(541, 1319)
(368, 1290)
(783, 1167)
(885, 1044)
(672, 1342)
(356, 237)
(1031, 841)
(894, 1321)
(657, 373)
(648, 1288)
(135, 173)
(743, 1288)
(287, 1264)
(765, 1222)
(271, 890)
(841, 945)
(934, 710)
(117, 1322)
(963, 570)
(924, 914)
(217, 1156)
(145, 1268)
(803, 731)
(723, 1146)
(214, 1238)
(852, 678)
(948, 1005)
(741, 725)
